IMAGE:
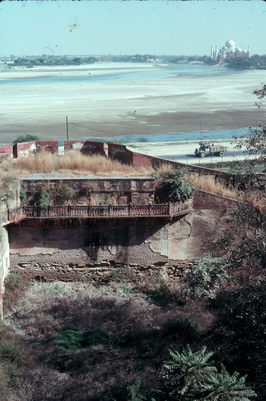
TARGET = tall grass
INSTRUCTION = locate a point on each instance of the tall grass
(207, 183)
(8, 179)
(77, 163)
(164, 170)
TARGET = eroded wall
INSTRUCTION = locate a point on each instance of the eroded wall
(4, 263)
(98, 191)
(143, 241)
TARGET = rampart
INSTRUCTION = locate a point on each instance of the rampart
(114, 152)
(105, 220)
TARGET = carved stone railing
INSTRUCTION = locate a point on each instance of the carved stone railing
(130, 210)
(159, 210)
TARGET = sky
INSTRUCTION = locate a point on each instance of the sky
(123, 27)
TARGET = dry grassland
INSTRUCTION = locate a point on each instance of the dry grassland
(72, 162)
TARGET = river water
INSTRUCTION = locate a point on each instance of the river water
(114, 73)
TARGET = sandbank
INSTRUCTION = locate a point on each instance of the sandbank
(114, 108)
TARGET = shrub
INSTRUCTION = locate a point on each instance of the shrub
(207, 276)
(173, 188)
(239, 332)
(223, 386)
(62, 194)
(186, 371)
(42, 198)
(134, 393)
(192, 376)
(73, 340)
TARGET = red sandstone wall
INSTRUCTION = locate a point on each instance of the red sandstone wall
(91, 148)
(120, 153)
(47, 146)
(95, 191)
(204, 200)
(6, 152)
(25, 149)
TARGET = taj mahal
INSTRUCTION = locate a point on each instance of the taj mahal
(229, 50)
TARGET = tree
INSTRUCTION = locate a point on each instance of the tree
(255, 142)
(25, 138)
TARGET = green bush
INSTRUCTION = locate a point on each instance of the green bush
(42, 198)
(192, 376)
(75, 340)
(207, 276)
(134, 393)
(173, 188)
(62, 193)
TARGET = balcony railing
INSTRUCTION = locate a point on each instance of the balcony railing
(53, 212)
(162, 210)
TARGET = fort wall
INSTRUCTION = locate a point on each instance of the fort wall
(90, 191)
(205, 200)
(4, 264)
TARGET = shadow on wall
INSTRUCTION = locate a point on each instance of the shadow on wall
(93, 236)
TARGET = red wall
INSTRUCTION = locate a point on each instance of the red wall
(205, 200)
(24, 149)
(6, 152)
(120, 153)
(93, 147)
(47, 146)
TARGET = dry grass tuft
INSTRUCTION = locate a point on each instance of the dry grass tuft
(75, 163)
(207, 183)
(164, 171)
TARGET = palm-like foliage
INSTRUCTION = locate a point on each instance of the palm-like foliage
(226, 387)
(192, 376)
(186, 371)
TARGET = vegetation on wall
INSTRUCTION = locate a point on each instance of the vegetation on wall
(48, 195)
(173, 187)
(8, 182)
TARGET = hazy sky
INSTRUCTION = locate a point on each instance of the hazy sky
(107, 27)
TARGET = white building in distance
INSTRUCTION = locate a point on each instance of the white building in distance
(229, 50)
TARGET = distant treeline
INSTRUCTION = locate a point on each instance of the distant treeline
(253, 62)
(31, 61)
(52, 60)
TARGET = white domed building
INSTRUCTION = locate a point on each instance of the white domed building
(229, 50)
(230, 45)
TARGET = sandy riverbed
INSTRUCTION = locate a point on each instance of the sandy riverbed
(113, 108)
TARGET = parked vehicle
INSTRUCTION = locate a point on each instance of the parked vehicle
(209, 149)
